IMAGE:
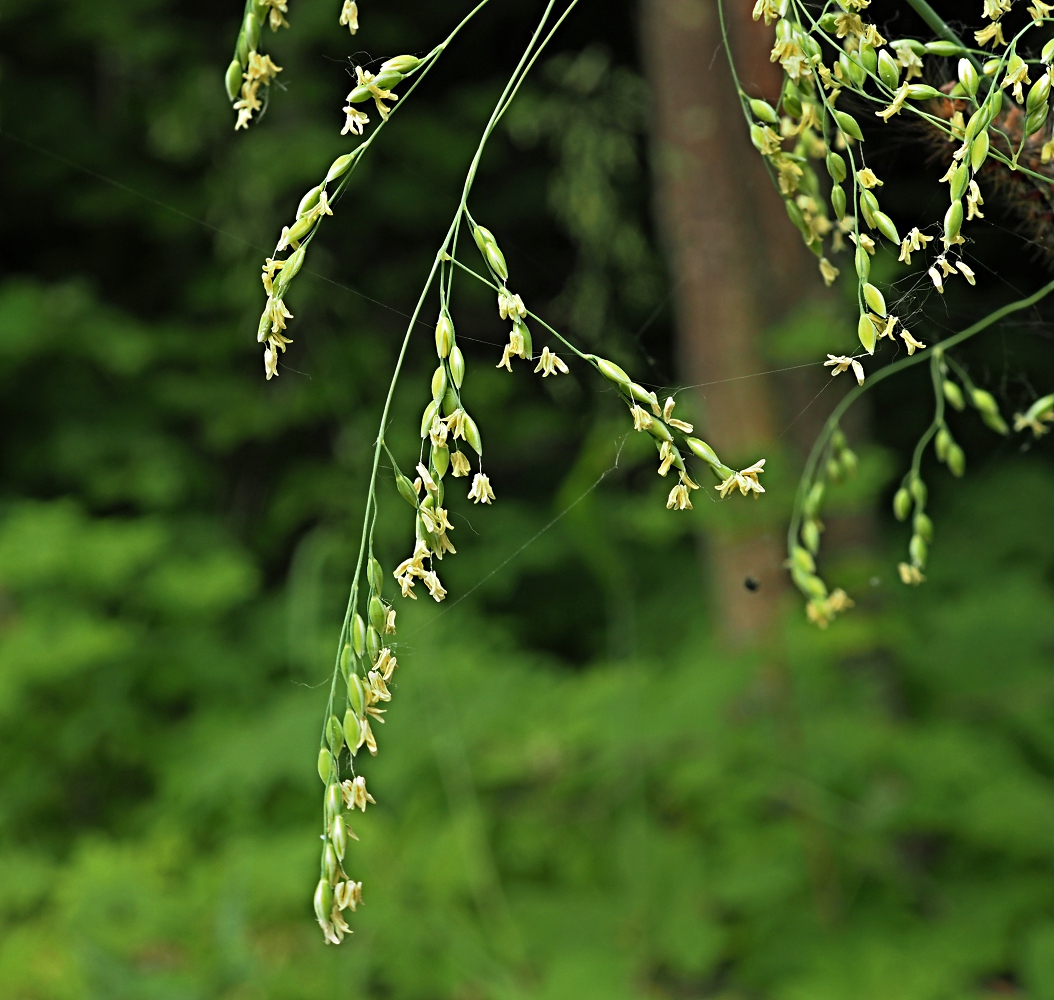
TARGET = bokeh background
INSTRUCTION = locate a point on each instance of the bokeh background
(611, 770)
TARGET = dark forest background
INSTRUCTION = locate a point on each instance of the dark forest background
(591, 784)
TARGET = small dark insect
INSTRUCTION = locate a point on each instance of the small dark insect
(751, 584)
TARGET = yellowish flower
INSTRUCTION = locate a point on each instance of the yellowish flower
(746, 481)
(839, 364)
(679, 499)
(828, 271)
(910, 575)
(550, 364)
(667, 414)
(349, 15)
(868, 179)
(510, 306)
(278, 8)
(355, 121)
(481, 491)
(1040, 10)
(973, 200)
(435, 588)
(459, 464)
(261, 67)
(992, 33)
(641, 418)
(353, 792)
(966, 271)
(910, 342)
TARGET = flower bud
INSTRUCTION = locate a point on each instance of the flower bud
(450, 401)
(401, 64)
(1035, 121)
(956, 460)
(918, 550)
(959, 179)
(338, 834)
(865, 331)
(610, 370)
(868, 57)
(356, 696)
(471, 432)
(848, 124)
(838, 202)
(309, 201)
(439, 382)
(803, 560)
(875, 300)
(884, 224)
(953, 221)
(457, 366)
(327, 767)
(444, 336)
(968, 77)
(923, 92)
(334, 801)
(923, 527)
(953, 394)
(352, 731)
(810, 535)
(323, 901)
(813, 499)
(836, 167)
(359, 94)
(765, 111)
(341, 164)
(440, 460)
(387, 78)
(862, 259)
(406, 489)
(375, 575)
(918, 491)
(358, 634)
(984, 401)
(979, 151)
(378, 613)
(345, 660)
(233, 79)
(808, 583)
(902, 504)
(657, 429)
(1047, 52)
(330, 864)
(334, 735)
(888, 70)
(642, 395)
(431, 410)
(940, 47)
(942, 443)
(702, 450)
(373, 641)
(849, 462)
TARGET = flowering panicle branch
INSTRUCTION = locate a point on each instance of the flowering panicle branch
(993, 116)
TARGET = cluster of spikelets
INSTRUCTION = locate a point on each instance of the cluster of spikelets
(278, 271)
(824, 56)
(366, 663)
(251, 70)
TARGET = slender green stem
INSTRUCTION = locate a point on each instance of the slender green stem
(526, 61)
(937, 23)
(855, 393)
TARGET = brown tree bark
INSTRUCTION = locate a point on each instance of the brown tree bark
(737, 264)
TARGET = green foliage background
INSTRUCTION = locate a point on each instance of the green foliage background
(580, 794)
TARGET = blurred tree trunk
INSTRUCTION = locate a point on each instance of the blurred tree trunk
(737, 264)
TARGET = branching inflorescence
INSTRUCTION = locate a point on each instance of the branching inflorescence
(451, 442)
(991, 126)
